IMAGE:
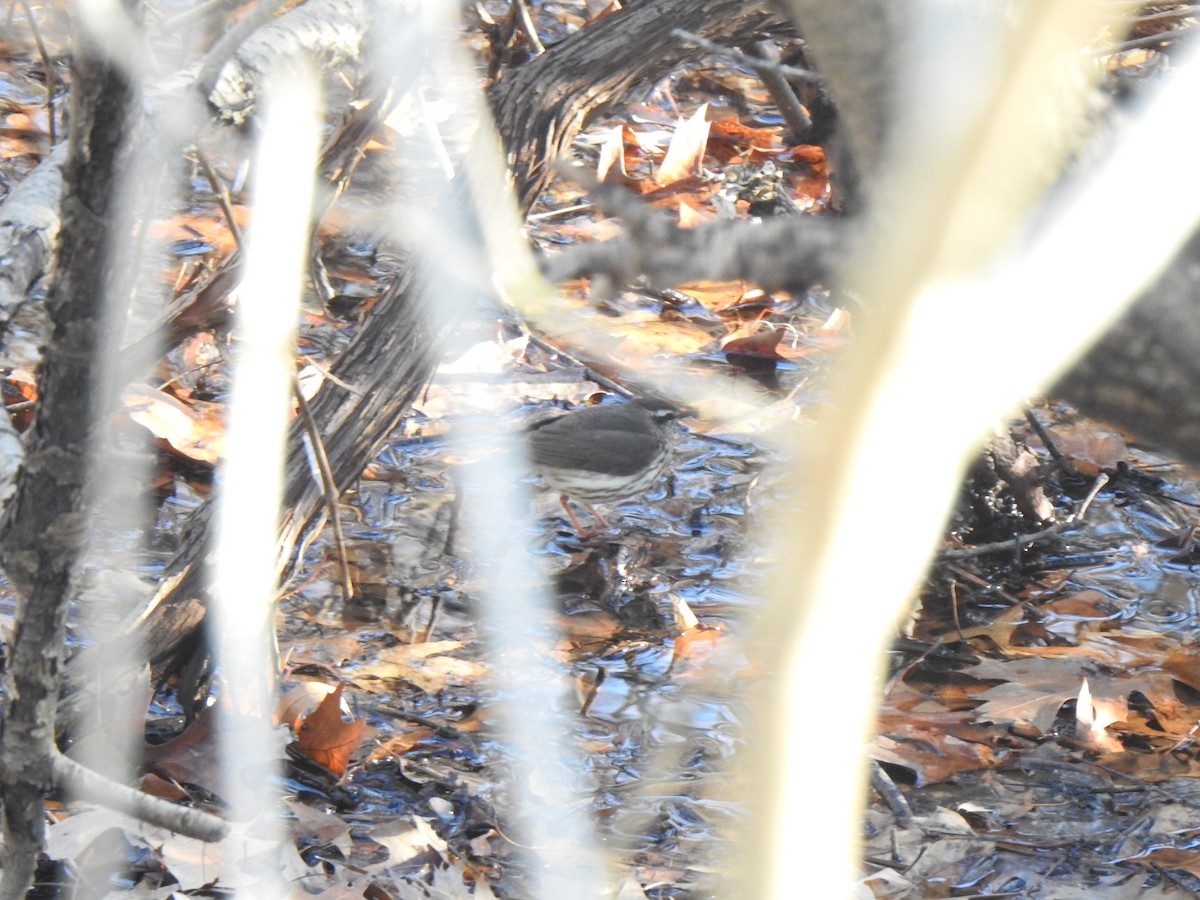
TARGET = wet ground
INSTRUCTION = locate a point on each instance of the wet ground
(654, 748)
(1015, 784)
(1043, 706)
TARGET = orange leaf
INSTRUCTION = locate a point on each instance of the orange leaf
(299, 700)
(402, 743)
(1186, 858)
(20, 391)
(689, 643)
(326, 738)
(194, 431)
(1090, 447)
(756, 353)
(809, 154)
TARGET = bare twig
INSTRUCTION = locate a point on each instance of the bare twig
(795, 116)
(329, 487)
(750, 62)
(1148, 40)
(84, 784)
(1181, 12)
(882, 782)
(1064, 465)
(991, 589)
(1024, 540)
(221, 189)
(192, 15)
(214, 61)
(47, 65)
(526, 22)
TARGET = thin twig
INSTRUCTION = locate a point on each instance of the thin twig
(435, 606)
(1010, 546)
(1022, 540)
(551, 213)
(749, 62)
(1166, 14)
(954, 609)
(1064, 465)
(1097, 486)
(328, 488)
(189, 16)
(1149, 40)
(882, 782)
(592, 375)
(526, 21)
(47, 65)
(179, 376)
(795, 116)
(484, 16)
(995, 590)
(221, 189)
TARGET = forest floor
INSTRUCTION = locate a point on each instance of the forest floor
(1040, 717)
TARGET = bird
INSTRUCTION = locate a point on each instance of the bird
(602, 454)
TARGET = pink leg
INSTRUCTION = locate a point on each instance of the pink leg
(584, 533)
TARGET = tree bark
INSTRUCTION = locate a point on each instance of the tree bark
(540, 107)
(29, 222)
(1144, 374)
(45, 521)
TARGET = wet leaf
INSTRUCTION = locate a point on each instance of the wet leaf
(1186, 858)
(189, 758)
(756, 353)
(1033, 691)
(328, 739)
(400, 744)
(1090, 447)
(1094, 716)
(194, 432)
(429, 666)
(20, 394)
(935, 746)
(718, 295)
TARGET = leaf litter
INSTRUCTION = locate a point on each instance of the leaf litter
(1016, 772)
(1050, 701)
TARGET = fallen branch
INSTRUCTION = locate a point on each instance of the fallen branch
(80, 783)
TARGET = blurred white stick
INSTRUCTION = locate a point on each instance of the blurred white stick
(547, 801)
(251, 478)
(973, 350)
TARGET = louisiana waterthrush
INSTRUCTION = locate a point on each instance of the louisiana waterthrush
(602, 454)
